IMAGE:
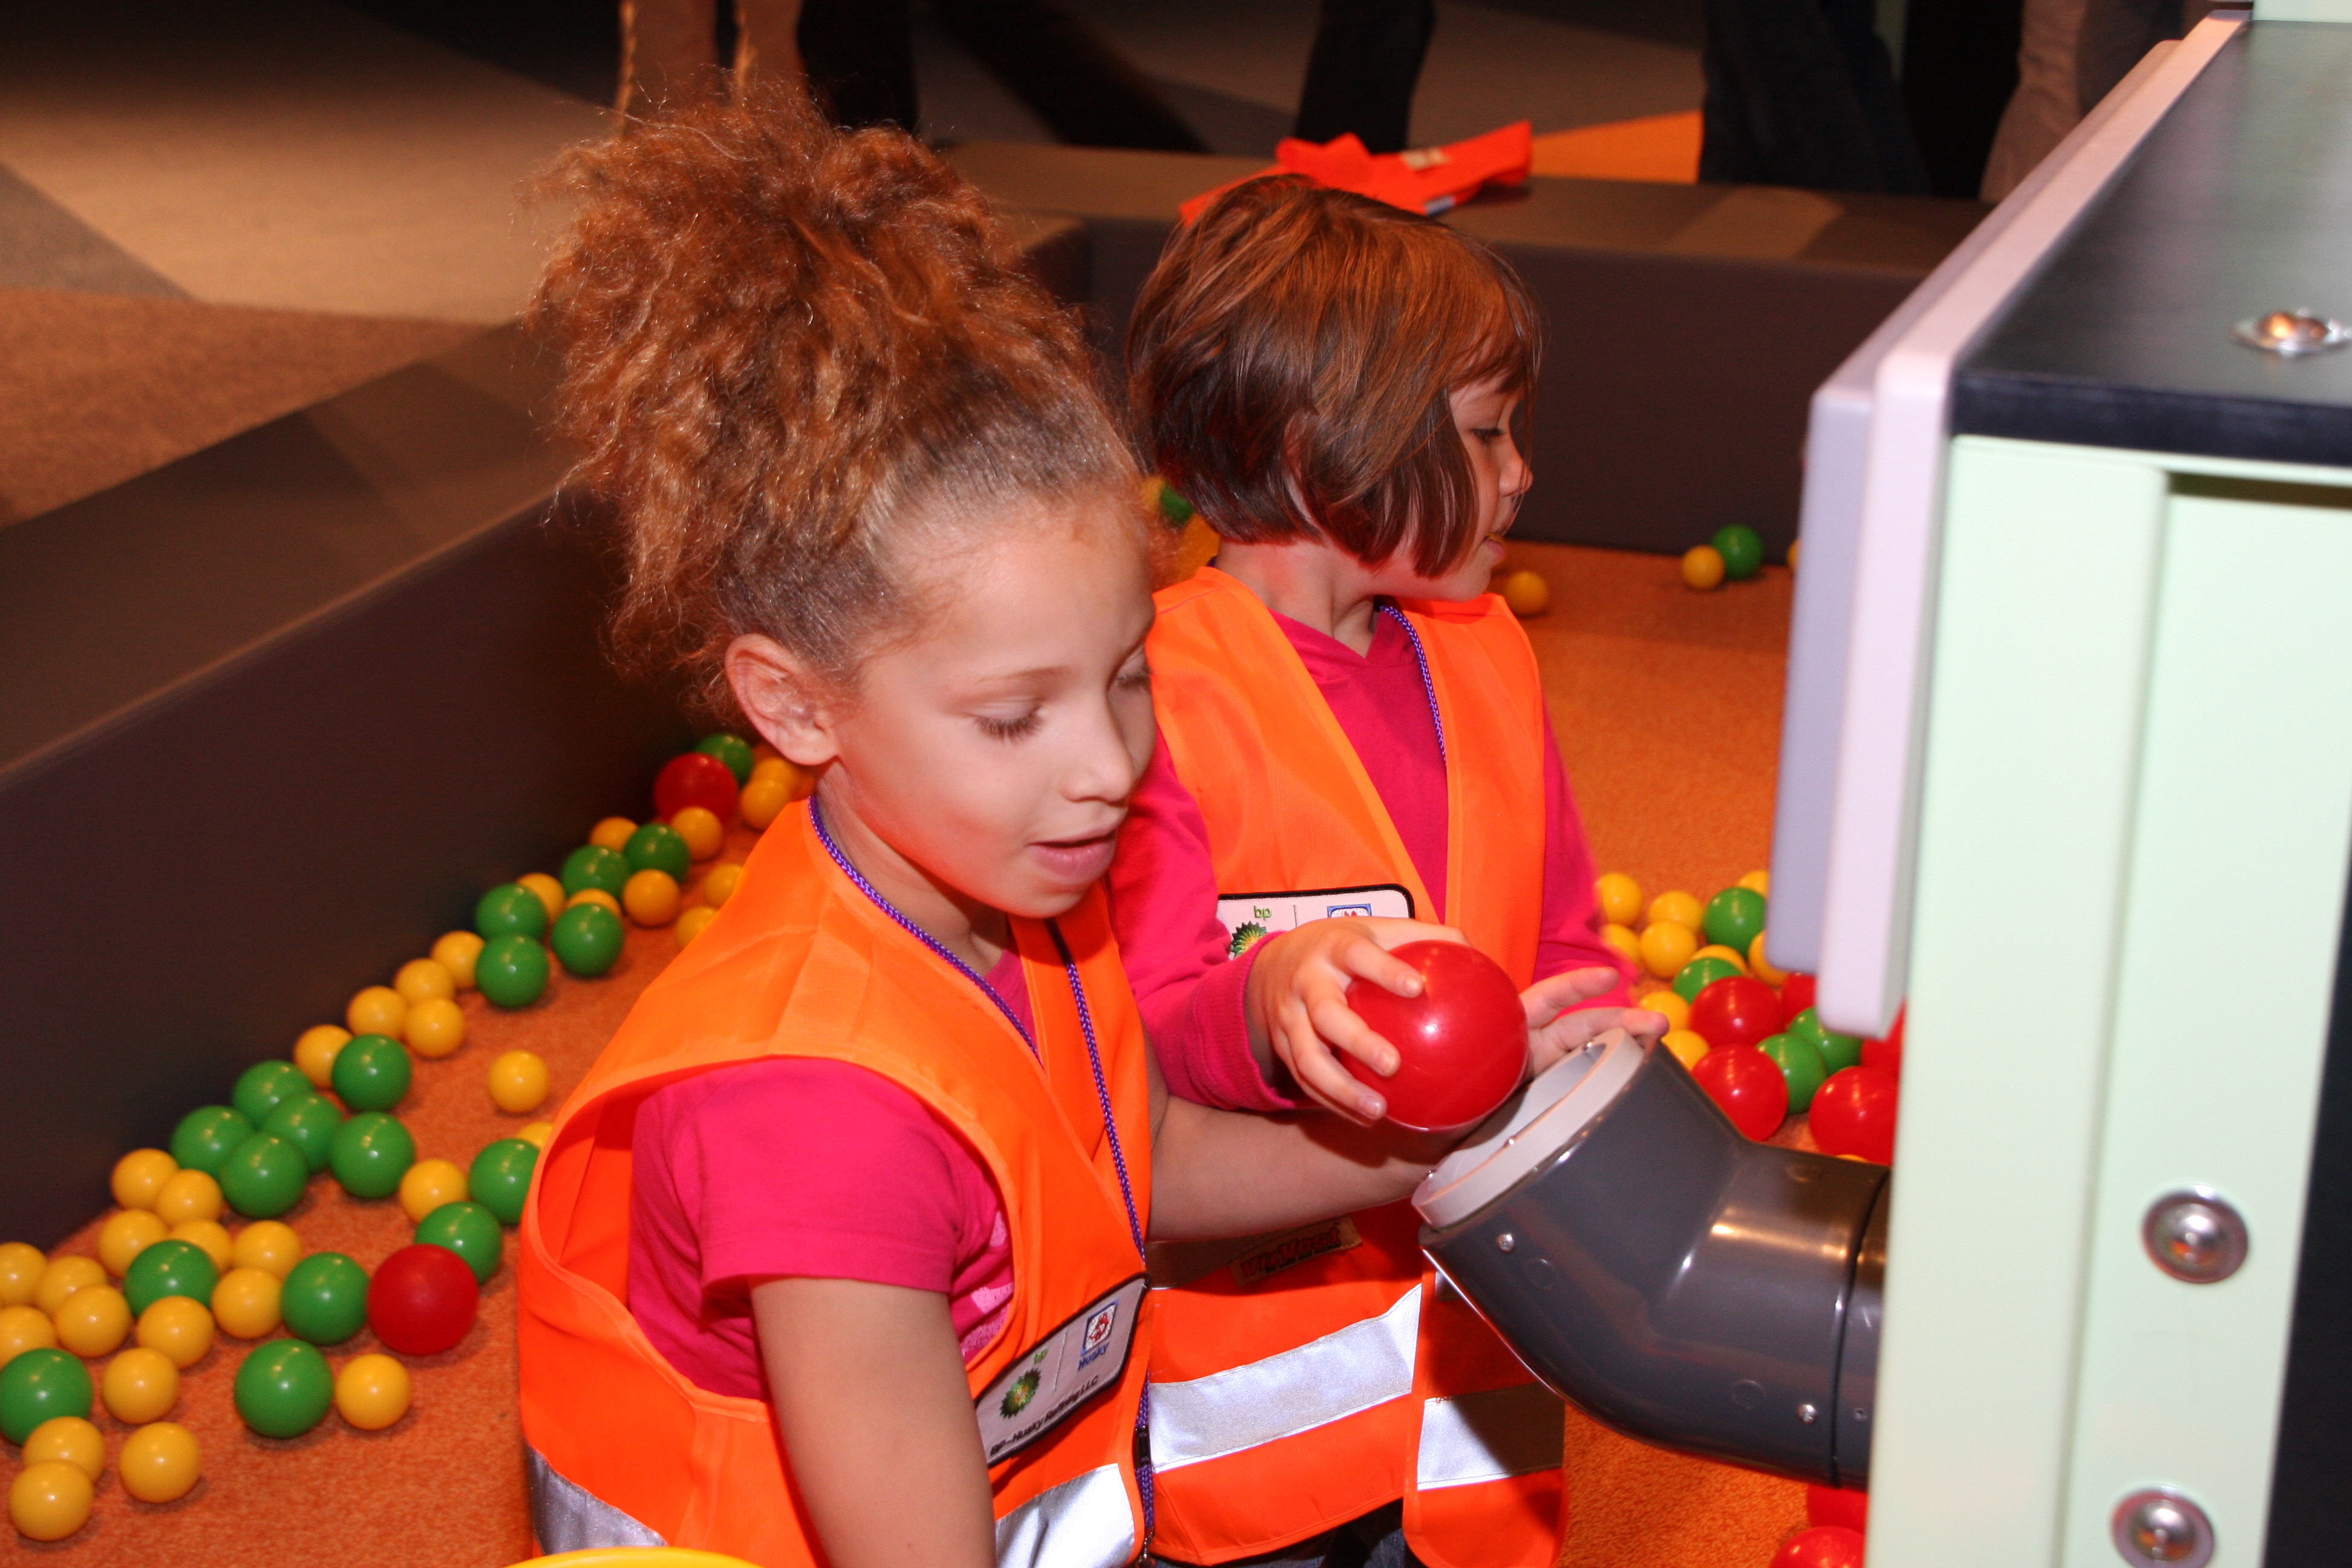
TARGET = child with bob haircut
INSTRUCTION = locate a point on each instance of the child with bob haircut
(837, 1254)
(1349, 722)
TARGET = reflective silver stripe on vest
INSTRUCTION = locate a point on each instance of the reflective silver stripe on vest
(1489, 1437)
(1351, 1370)
(1085, 1522)
(568, 1517)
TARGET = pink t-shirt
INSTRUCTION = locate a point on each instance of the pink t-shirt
(811, 1168)
(1163, 883)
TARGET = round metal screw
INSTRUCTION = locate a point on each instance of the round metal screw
(2290, 333)
(2195, 1236)
(2158, 1528)
(1808, 1415)
(1505, 1242)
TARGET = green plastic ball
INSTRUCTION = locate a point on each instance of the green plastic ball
(500, 1178)
(1734, 917)
(264, 1086)
(373, 1072)
(587, 939)
(1741, 549)
(732, 750)
(656, 847)
(309, 1122)
(594, 866)
(284, 1388)
(1839, 1052)
(41, 1385)
(207, 1135)
(1799, 1061)
(511, 971)
(1173, 506)
(370, 1154)
(324, 1298)
(510, 910)
(1699, 974)
(470, 1231)
(169, 1267)
(265, 1178)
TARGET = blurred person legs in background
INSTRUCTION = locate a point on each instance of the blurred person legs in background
(2071, 54)
(1363, 68)
(1801, 92)
(669, 49)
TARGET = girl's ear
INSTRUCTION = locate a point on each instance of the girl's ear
(784, 699)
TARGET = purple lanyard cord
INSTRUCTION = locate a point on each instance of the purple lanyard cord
(1428, 686)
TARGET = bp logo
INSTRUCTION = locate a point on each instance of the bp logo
(1025, 1388)
(1245, 938)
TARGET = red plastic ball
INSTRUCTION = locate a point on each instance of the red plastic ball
(695, 778)
(1886, 1054)
(1748, 1085)
(1796, 995)
(1853, 1113)
(421, 1299)
(1737, 1010)
(1823, 1546)
(1836, 1505)
(1463, 1041)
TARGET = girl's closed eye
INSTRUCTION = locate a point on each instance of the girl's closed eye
(1010, 727)
(1137, 677)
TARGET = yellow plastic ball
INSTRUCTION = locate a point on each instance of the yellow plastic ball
(1676, 907)
(191, 1195)
(763, 800)
(181, 1327)
(1686, 1046)
(1702, 567)
(138, 1175)
(268, 1245)
(1758, 883)
(651, 897)
(1792, 554)
(140, 1385)
(456, 952)
(65, 1275)
(159, 1462)
(316, 1051)
(49, 1501)
(550, 891)
(376, 1010)
(245, 1302)
(720, 884)
(125, 1235)
(373, 1392)
(800, 783)
(25, 1328)
(704, 833)
(1619, 897)
(611, 833)
(1527, 593)
(1730, 955)
(1666, 947)
(435, 1028)
(428, 1184)
(689, 924)
(1761, 966)
(1623, 939)
(424, 979)
(593, 896)
(70, 1439)
(1671, 1004)
(518, 1086)
(536, 1133)
(209, 1234)
(94, 1322)
(20, 1270)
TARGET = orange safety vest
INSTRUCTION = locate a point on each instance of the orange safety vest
(1318, 1376)
(624, 1450)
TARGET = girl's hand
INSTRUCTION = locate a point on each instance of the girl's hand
(1553, 1034)
(1297, 1004)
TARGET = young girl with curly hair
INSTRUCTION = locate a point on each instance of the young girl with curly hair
(1349, 723)
(836, 1256)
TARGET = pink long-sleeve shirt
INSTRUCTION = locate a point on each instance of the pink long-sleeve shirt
(1164, 885)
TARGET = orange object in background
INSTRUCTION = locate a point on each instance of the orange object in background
(1661, 147)
(1429, 180)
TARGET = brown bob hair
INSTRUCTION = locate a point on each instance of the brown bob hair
(795, 361)
(1290, 360)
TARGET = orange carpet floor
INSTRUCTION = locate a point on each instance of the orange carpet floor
(1667, 706)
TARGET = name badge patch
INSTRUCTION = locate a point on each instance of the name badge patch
(1293, 1247)
(1060, 1373)
(1250, 918)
